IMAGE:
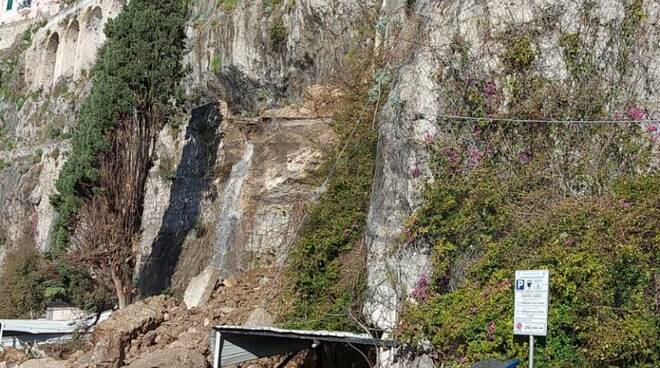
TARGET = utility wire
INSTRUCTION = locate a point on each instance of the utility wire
(549, 121)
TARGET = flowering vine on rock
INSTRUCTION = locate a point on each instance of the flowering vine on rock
(421, 290)
(653, 131)
(428, 138)
(490, 330)
(636, 113)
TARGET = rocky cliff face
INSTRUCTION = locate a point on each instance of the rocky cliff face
(266, 65)
(233, 176)
(45, 77)
(420, 41)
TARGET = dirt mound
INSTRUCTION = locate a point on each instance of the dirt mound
(162, 332)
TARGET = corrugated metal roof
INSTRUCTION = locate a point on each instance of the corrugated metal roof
(32, 326)
(19, 341)
(239, 344)
(335, 336)
(44, 326)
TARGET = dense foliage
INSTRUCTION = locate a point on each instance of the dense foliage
(29, 281)
(601, 250)
(327, 264)
(136, 73)
(579, 199)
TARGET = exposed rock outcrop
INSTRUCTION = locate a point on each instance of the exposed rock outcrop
(113, 338)
(419, 42)
(37, 116)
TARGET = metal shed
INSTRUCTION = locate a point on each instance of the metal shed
(15, 332)
(238, 344)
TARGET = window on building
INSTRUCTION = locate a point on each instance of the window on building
(10, 4)
(24, 4)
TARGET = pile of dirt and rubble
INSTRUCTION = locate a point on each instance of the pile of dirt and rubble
(162, 332)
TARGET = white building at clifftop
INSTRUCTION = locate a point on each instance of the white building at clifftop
(17, 10)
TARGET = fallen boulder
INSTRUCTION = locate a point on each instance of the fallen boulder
(201, 288)
(112, 338)
(260, 317)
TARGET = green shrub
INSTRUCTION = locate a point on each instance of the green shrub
(216, 64)
(519, 54)
(3, 235)
(227, 5)
(21, 285)
(270, 5)
(29, 281)
(7, 142)
(123, 85)
(278, 35)
(600, 249)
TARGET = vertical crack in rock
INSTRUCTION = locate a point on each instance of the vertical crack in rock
(191, 181)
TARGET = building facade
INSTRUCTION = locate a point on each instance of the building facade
(18, 10)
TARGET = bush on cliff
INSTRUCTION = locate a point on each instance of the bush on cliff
(601, 251)
(326, 267)
(136, 73)
(29, 281)
(581, 199)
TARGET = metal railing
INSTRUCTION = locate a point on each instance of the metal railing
(23, 4)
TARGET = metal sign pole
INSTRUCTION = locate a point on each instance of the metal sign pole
(531, 351)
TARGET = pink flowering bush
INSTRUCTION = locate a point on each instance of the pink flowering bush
(421, 290)
(636, 113)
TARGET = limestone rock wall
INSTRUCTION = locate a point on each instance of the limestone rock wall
(235, 198)
(235, 170)
(417, 38)
(253, 58)
(36, 123)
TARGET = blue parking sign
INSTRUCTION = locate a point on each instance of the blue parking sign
(520, 284)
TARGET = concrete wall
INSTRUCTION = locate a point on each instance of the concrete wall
(64, 314)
